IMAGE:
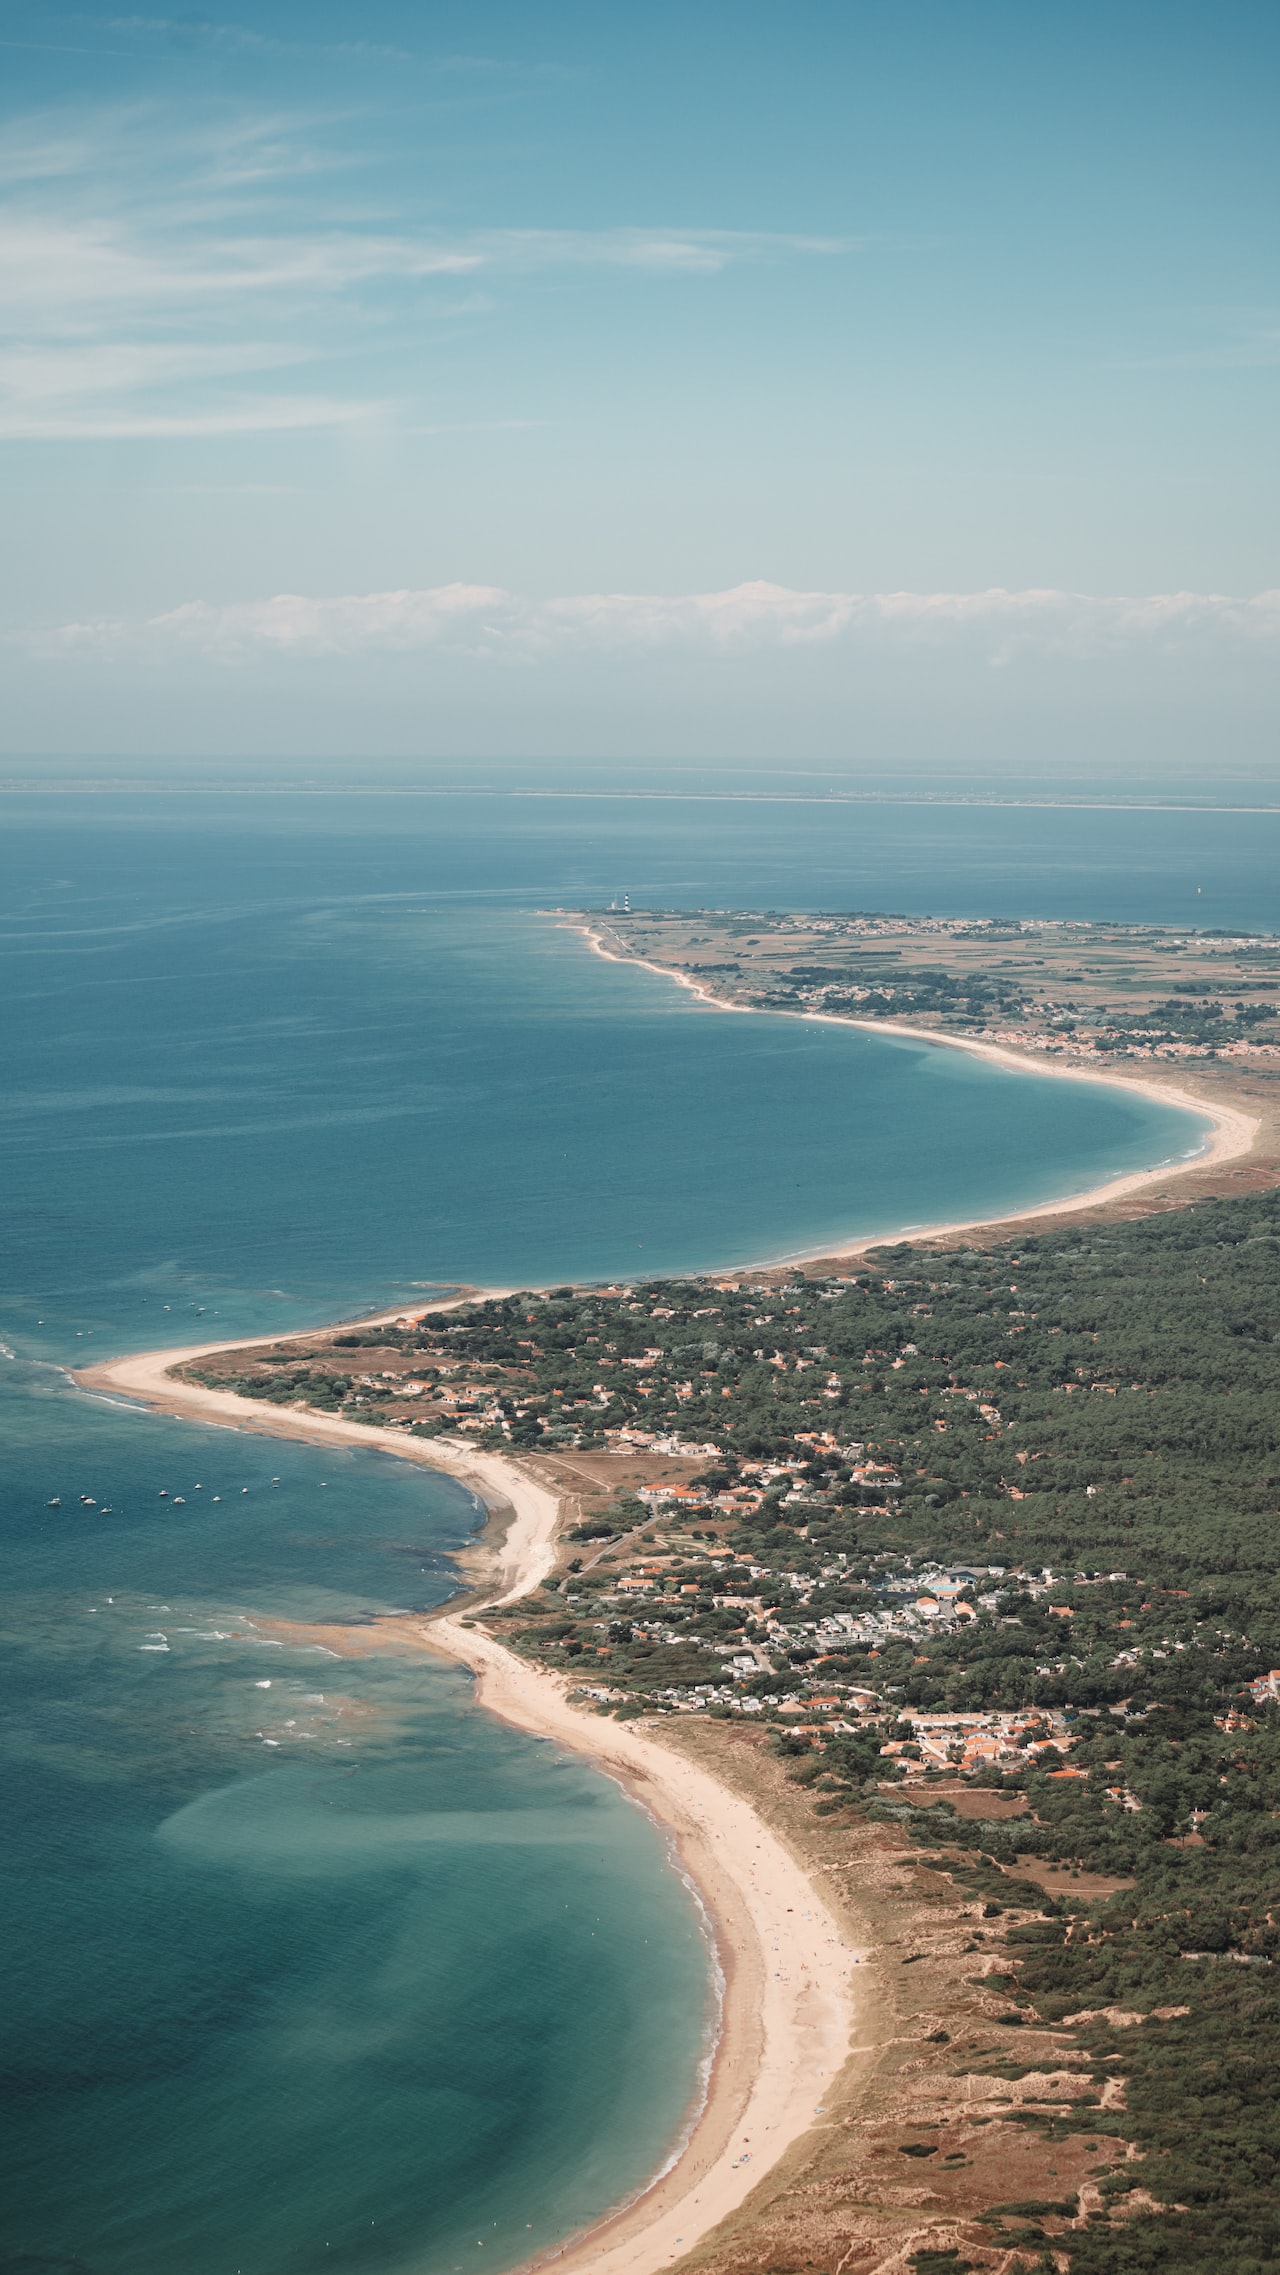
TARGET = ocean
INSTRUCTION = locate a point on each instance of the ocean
(319, 1966)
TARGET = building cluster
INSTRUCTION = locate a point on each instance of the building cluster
(904, 1606)
(963, 1743)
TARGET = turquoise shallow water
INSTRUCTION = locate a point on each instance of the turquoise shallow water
(319, 1967)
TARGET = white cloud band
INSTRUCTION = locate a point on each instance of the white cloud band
(483, 622)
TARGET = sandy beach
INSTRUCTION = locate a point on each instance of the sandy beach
(788, 2009)
(786, 1965)
(1232, 1132)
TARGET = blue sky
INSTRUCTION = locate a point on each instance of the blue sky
(574, 379)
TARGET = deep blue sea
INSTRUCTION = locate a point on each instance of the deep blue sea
(311, 1965)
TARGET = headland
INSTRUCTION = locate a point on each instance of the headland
(1173, 1063)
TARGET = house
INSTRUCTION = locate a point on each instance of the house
(984, 1746)
(1127, 1800)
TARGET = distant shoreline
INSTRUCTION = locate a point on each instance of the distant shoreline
(1233, 1133)
(46, 785)
(787, 2013)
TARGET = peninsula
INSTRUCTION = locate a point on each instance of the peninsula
(927, 1596)
(1191, 1018)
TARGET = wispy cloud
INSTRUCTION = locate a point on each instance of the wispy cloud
(484, 622)
(151, 260)
(670, 251)
(67, 275)
(196, 32)
(245, 414)
(187, 34)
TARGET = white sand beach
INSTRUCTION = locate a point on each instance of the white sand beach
(788, 1970)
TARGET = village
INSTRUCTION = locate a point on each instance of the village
(1068, 989)
(790, 1668)
(964, 1550)
(814, 1504)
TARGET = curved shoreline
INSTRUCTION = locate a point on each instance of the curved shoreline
(1233, 1133)
(786, 2020)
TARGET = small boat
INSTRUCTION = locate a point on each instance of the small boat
(56, 1502)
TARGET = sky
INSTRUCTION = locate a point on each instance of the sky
(878, 386)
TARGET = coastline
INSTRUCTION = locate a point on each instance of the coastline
(785, 1959)
(1233, 1132)
(787, 2014)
